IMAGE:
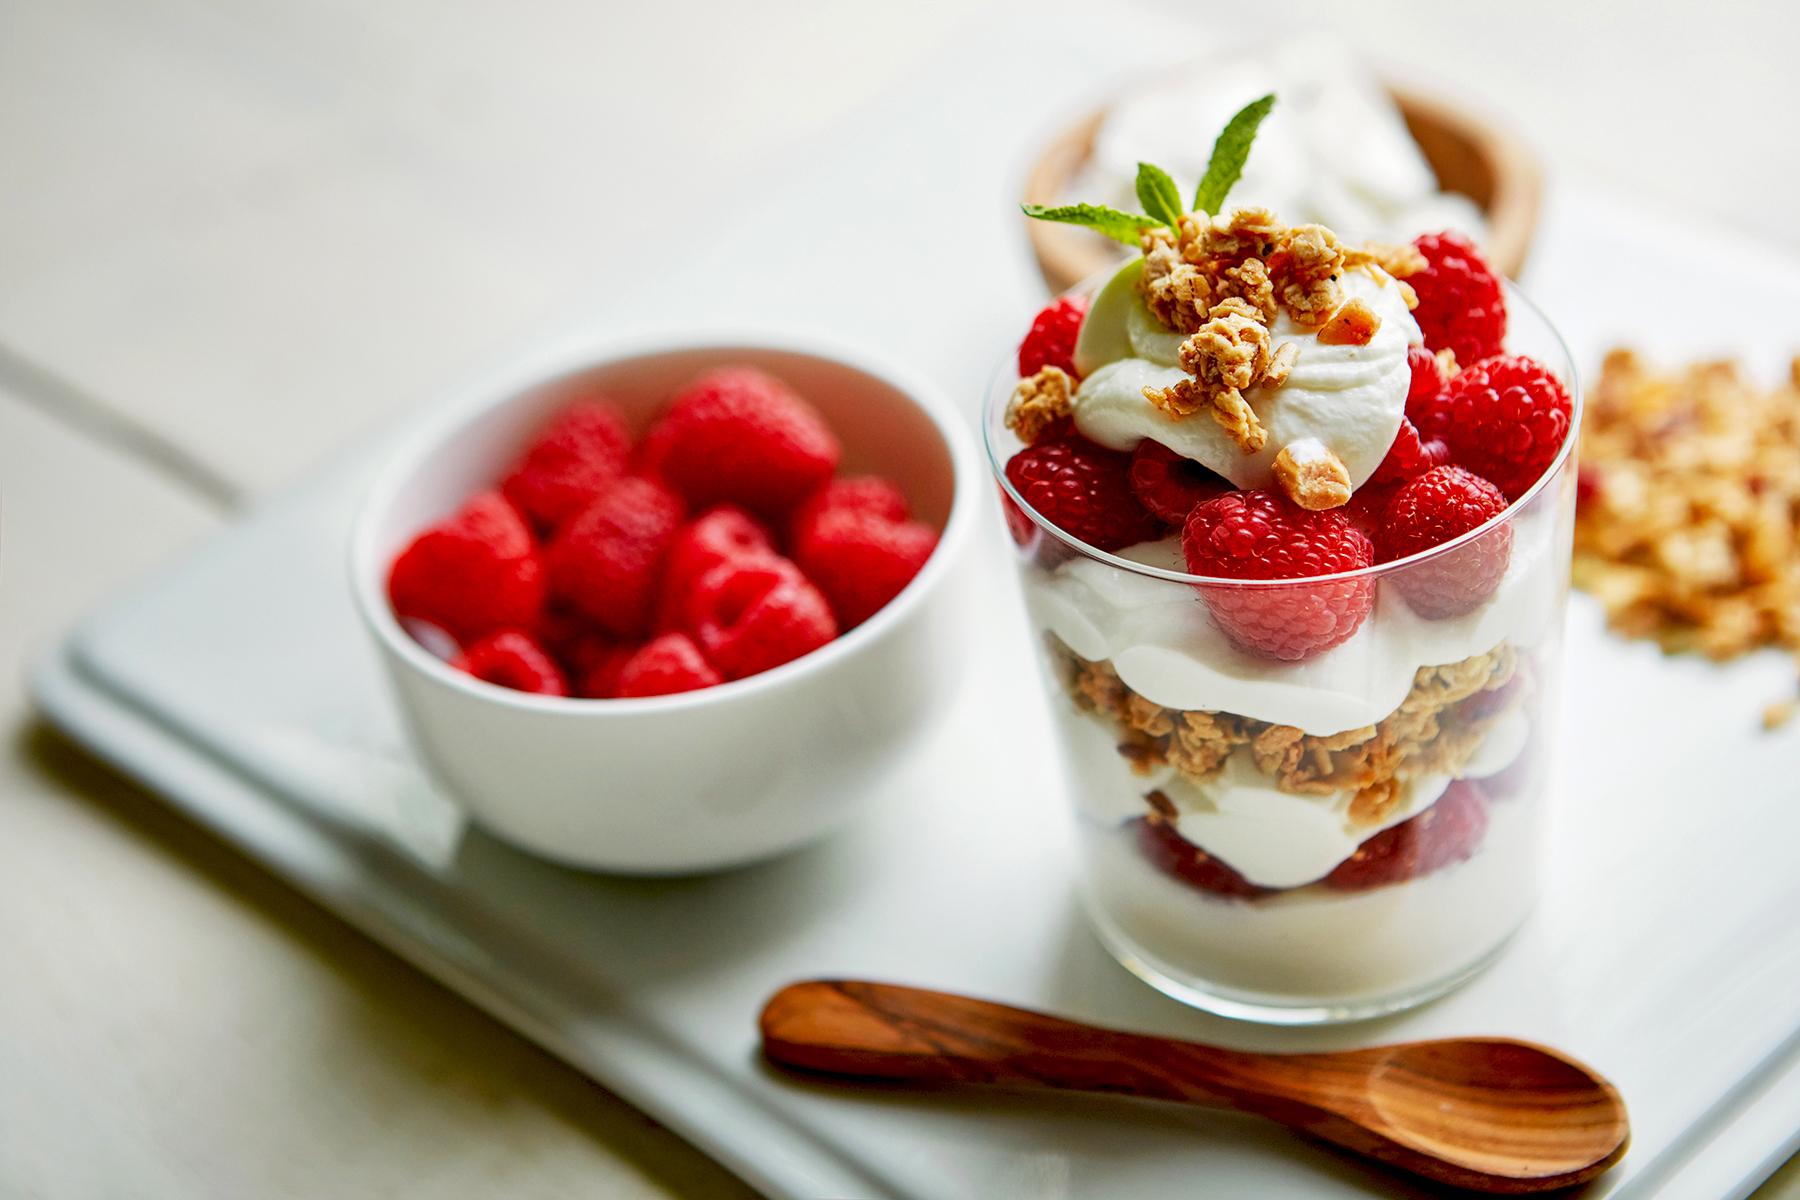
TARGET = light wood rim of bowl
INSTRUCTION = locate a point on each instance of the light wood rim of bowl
(1496, 170)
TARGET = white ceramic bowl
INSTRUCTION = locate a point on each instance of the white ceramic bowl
(705, 779)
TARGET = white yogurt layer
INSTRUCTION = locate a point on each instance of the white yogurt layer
(1335, 150)
(1500, 746)
(1274, 838)
(1162, 641)
(1350, 398)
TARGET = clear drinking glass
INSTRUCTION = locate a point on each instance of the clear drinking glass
(1324, 840)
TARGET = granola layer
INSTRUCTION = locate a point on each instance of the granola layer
(1435, 731)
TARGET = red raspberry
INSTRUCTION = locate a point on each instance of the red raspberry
(601, 679)
(1410, 456)
(1439, 505)
(606, 560)
(754, 614)
(590, 658)
(1020, 526)
(741, 436)
(1588, 485)
(474, 573)
(511, 659)
(1259, 535)
(1170, 485)
(669, 664)
(1427, 380)
(1368, 505)
(1084, 490)
(572, 640)
(585, 448)
(1062, 429)
(868, 494)
(861, 561)
(1051, 342)
(1505, 419)
(1461, 304)
(1447, 832)
(1173, 854)
(725, 533)
(1424, 391)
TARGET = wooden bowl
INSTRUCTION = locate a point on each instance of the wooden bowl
(1469, 155)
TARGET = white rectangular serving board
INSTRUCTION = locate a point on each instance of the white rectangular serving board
(1666, 950)
(239, 685)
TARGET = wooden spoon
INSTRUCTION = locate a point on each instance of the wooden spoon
(1488, 1114)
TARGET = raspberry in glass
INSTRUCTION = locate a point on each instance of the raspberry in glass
(1261, 535)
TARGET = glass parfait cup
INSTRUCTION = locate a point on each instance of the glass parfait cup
(1322, 840)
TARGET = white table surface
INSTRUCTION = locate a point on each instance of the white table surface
(233, 236)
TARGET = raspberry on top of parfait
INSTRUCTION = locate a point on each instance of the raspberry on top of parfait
(1280, 399)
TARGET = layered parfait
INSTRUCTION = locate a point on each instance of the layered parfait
(1293, 519)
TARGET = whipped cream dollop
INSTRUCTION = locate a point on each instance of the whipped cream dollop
(1335, 151)
(1350, 398)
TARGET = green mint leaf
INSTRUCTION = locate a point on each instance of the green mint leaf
(1158, 193)
(1119, 226)
(1228, 155)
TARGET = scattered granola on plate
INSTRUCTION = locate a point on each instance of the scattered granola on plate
(1688, 530)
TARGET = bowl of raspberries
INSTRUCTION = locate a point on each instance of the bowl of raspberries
(666, 608)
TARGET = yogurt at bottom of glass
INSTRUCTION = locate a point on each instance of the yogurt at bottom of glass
(1317, 946)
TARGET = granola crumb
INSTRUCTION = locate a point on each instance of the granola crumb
(1353, 324)
(1375, 803)
(1446, 361)
(1399, 259)
(1039, 401)
(1286, 355)
(1778, 714)
(1161, 805)
(1141, 754)
(1311, 475)
(1687, 530)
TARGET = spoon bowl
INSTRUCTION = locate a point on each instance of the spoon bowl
(1559, 1122)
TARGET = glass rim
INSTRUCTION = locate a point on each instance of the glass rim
(996, 397)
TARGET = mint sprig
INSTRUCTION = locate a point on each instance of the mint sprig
(1158, 194)
(1119, 226)
(1229, 153)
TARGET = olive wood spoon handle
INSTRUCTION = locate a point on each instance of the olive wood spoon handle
(1486, 1114)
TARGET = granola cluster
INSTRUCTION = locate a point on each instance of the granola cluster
(1223, 282)
(1311, 475)
(1434, 731)
(1038, 401)
(1689, 525)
